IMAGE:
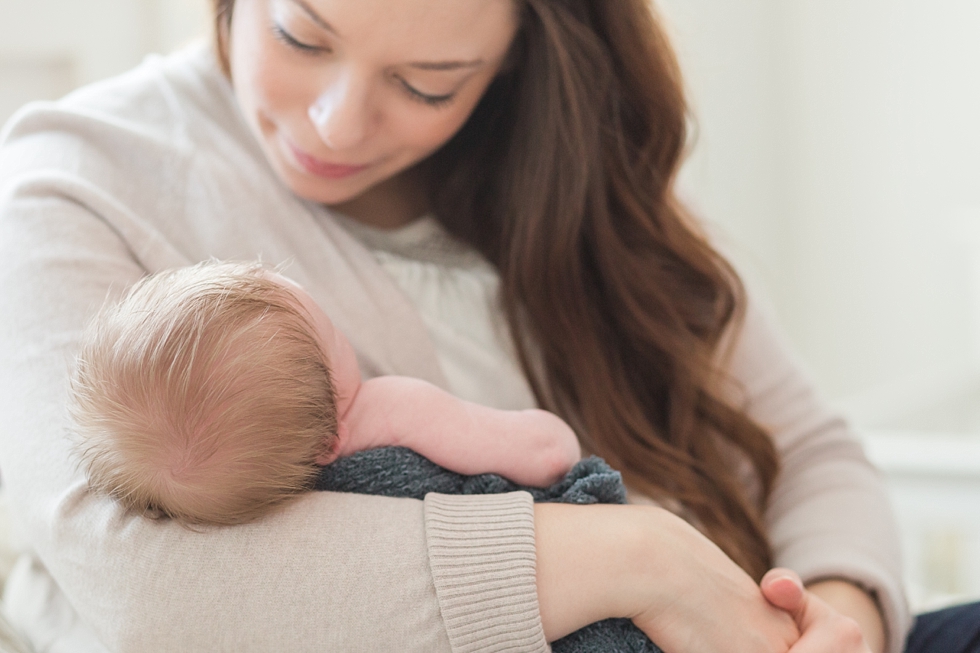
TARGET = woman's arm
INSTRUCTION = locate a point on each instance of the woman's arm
(321, 574)
(644, 563)
(155, 170)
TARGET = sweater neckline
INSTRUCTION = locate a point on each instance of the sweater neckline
(423, 239)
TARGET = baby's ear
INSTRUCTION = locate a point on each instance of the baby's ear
(336, 447)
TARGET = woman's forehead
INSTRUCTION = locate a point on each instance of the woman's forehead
(415, 30)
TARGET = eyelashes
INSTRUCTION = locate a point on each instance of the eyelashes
(430, 100)
(413, 93)
(285, 37)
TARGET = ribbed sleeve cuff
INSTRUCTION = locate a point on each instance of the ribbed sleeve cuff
(481, 551)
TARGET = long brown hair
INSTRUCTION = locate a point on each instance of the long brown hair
(563, 177)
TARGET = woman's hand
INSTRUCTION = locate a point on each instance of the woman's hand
(644, 563)
(823, 629)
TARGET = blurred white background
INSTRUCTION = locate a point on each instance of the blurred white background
(838, 160)
(48, 47)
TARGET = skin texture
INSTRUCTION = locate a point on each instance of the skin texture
(345, 98)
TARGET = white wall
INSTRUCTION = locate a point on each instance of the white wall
(934, 483)
(727, 52)
(884, 149)
(840, 150)
(48, 47)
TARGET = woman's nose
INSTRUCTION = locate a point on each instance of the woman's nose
(340, 113)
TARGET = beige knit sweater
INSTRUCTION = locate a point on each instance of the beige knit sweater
(156, 169)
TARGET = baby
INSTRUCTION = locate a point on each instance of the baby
(211, 394)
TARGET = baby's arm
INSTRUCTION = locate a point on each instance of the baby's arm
(530, 447)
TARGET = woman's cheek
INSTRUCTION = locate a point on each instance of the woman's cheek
(274, 89)
(264, 80)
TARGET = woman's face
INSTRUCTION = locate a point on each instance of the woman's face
(345, 94)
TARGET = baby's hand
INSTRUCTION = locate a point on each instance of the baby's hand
(548, 448)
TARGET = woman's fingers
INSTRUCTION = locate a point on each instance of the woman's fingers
(827, 631)
(822, 629)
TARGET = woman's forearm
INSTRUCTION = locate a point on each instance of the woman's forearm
(644, 563)
(587, 565)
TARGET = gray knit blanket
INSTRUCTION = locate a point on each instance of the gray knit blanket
(400, 472)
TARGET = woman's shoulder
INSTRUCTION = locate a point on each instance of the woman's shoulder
(162, 111)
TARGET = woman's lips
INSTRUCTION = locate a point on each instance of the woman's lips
(319, 168)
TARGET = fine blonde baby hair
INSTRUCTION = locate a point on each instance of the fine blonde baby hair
(204, 396)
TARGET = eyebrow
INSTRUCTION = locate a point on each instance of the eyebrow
(419, 65)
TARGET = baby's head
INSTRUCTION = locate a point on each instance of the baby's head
(205, 395)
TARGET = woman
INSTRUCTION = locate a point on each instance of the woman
(543, 135)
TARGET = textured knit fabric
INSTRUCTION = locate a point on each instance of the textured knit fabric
(157, 169)
(400, 472)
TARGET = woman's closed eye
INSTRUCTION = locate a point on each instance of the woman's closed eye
(291, 41)
(429, 99)
(425, 98)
